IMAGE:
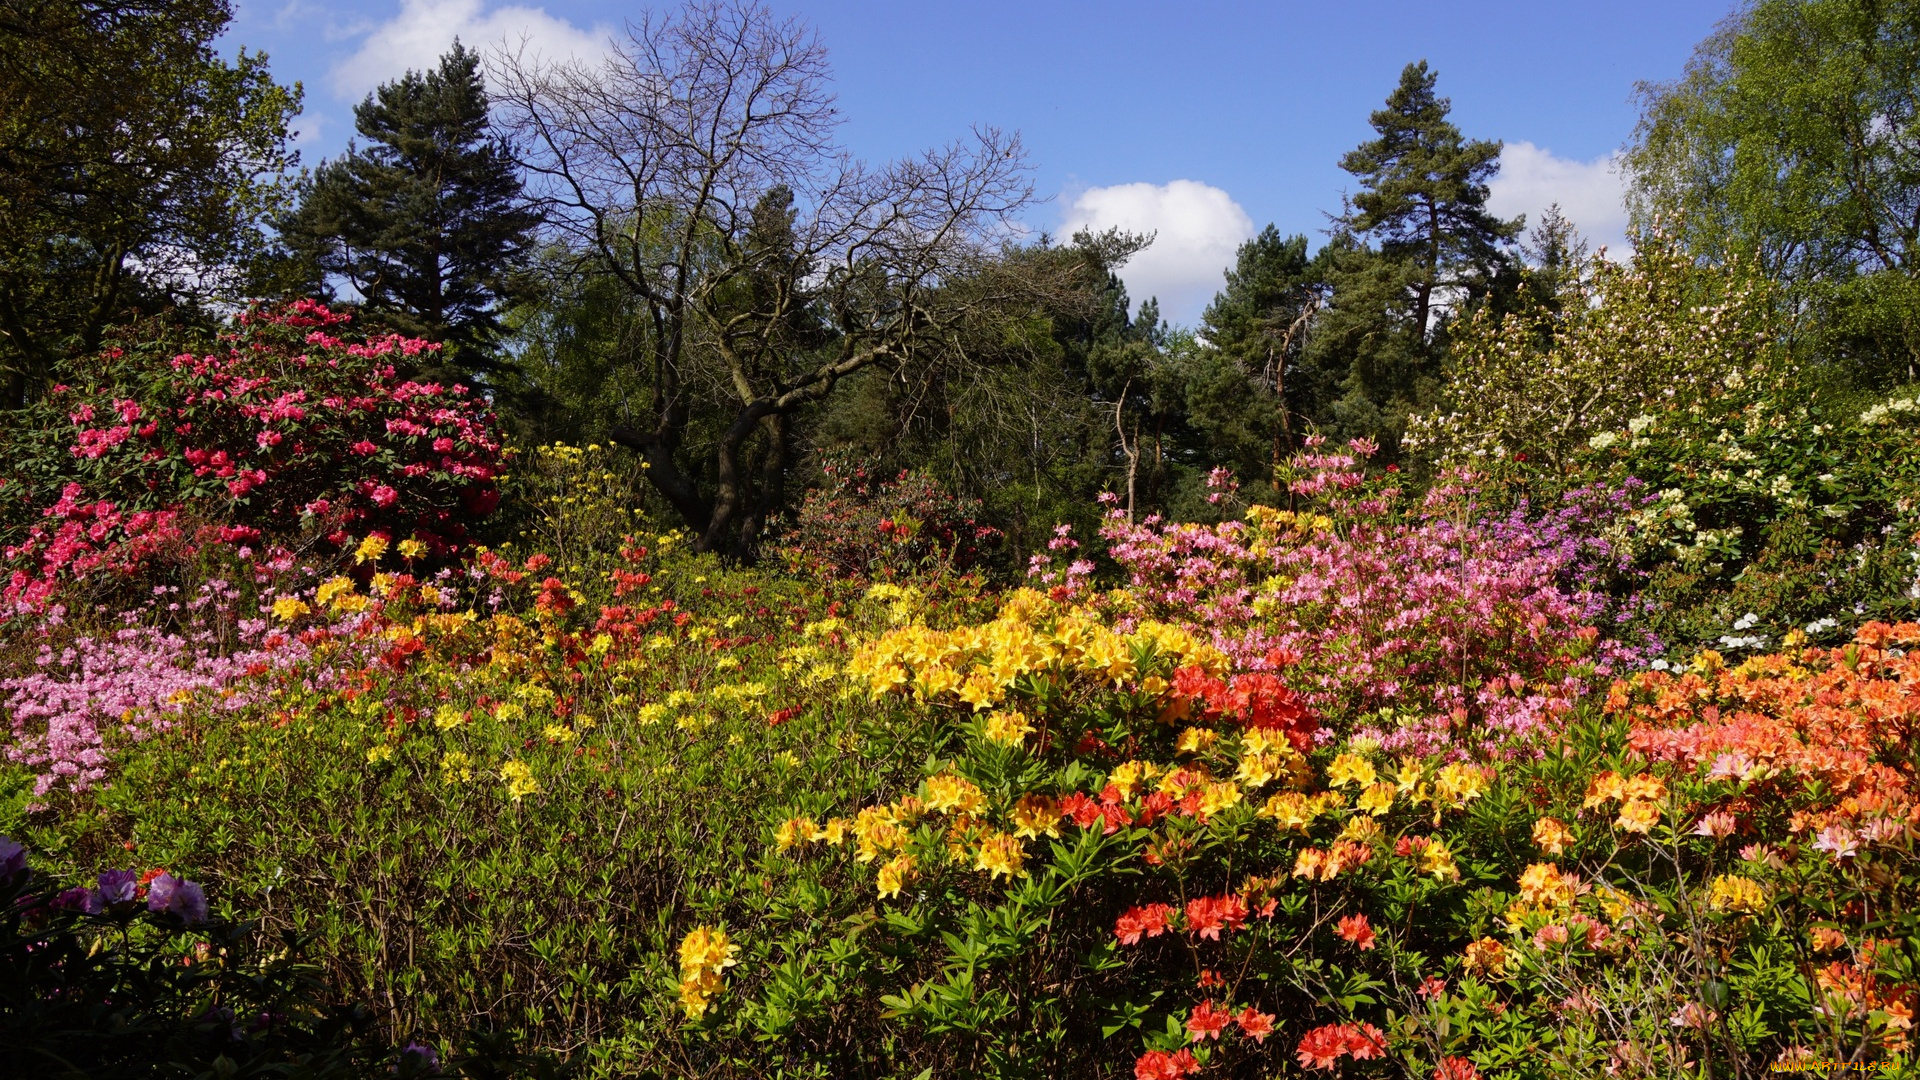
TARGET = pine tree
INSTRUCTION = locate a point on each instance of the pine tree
(1414, 245)
(427, 223)
(1259, 320)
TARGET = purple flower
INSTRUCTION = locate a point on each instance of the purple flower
(78, 898)
(13, 859)
(417, 1058)
(117, 886)
(169, 894)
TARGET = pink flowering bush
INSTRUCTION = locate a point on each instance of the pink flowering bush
(859, 526)
(1434, 625)
(284, 429)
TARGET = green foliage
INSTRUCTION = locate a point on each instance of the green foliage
(1788, 142)
(136, 168)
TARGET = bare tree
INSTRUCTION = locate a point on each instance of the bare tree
(696, 165)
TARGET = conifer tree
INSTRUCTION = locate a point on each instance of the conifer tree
(426, 223)
(1414, 244)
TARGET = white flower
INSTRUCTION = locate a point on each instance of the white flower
(1603, 440)
(1640, 423)
(1746, 621)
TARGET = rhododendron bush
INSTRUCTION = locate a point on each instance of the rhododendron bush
(284, 428)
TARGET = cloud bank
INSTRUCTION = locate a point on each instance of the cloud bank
(1590, 193)
(422, 30)
(1198, 228)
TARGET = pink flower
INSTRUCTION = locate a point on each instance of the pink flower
(1716, 825)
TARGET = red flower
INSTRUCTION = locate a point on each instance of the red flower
(1208, 915)
(1365, 1041)
(1207, 1021)
(1432, 986)
(1455, 1068)
(1321, 1048)
(1354, 928)
(1160, 1065)
(1255, 1024)
(1082, 810)
(1150, 920)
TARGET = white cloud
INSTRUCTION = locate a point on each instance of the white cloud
(422, 30)
(1589, 192)
(1198, 229)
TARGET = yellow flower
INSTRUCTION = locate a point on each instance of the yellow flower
(519, 780)
(1638, 816)
(896, 873)
(876, 832)
(559, 733)
(1008, 728)
(1459, 784)
(289, 608)
(979, 691)
(1257, 769)
(1360, 830)
(456, 767)
(370, 549)
(379, 754)
(1551, 836)
(412, 549)
(1733, 893)
(1543, 883)
(1034, 815)
(1411, 773)
(1290, 810)
(1001, 854)
(507, 712)
(1350, 769)
(331, 590)
(1131, 776)
(799, 830)
(1435, 859)
(956, 794)
(704, 954)
(1218, 797)
(1196, 740)
(1377, 799)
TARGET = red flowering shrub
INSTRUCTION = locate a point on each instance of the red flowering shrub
(862, 527)
(285, 427)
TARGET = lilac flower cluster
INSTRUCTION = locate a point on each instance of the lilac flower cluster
(117, 892)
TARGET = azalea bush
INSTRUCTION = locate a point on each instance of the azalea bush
(284, 432)
(860, 526)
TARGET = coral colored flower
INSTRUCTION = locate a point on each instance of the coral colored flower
(1364, 1041)
(1255, 1024)
(1207, 916)
(1355, 929)
(1207, 1021)
(1322, 1047)
(1455, 1068)
(1148, 921)
(1552, 836)
(1161, 1065)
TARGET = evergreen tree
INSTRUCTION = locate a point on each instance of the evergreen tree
(1259, 320)
(1415, 244)
(427, 223)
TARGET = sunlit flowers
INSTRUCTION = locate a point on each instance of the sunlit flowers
(1324, 1046)
(704, 954)
(1731, 892)
(1350, 769)
(895, 874)
(289, 608)
(1008, 728)
(519, 779)
(954, 794)
(372, 549)
(1552, 836)
(1355, 930)
(1001, 855)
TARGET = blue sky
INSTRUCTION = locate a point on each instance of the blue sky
(1200, 121)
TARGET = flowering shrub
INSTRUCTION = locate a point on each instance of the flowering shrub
(1435, 626)
(862, 527)
(285, 426)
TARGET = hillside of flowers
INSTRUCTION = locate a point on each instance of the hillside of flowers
(400, 751)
